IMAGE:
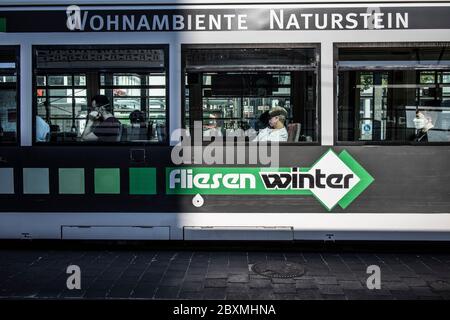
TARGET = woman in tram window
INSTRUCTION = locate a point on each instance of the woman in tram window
(276, 131)
(102, 126)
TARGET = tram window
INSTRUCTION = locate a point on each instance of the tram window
(133, 107)
(8, 96)
(402, 97)
(230, 89)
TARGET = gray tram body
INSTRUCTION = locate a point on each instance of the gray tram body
(409, 198)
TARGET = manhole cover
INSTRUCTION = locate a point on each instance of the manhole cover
(278, 269)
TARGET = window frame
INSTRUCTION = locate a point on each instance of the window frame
(339, 45)
(16, 49)
(313, 45)
(165, 70)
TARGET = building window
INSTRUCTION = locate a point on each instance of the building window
(238, 88)
(131, 83)
(397, 95)
(8, 95)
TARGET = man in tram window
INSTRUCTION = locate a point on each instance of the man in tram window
(423, 124)
(214, 125)
(276, 131)
(101, 126)
(42, 130)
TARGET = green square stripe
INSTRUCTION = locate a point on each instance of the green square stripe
(71, 181)
(2, 25)
(142, 181)
(107, 181)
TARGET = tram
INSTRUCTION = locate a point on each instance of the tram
(357, 94)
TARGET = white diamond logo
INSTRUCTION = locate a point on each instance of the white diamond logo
(331, 166)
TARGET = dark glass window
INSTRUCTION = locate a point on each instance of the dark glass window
(229, 89)
(399, 95)
(8, 95)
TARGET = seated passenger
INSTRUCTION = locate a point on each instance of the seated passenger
(42, 130)
(276, 131)
(214, 126)
(101, 126)
(423, 124)
(138, 126)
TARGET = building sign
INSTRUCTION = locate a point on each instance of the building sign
(87, 19)
(333, 179)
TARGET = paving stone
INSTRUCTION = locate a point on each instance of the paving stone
(330, 289)
(397, 285)
(216, 275)
(237, 287)
(261, 294)
(196, 271)
(167, 292)
(308, 294)
(170, 282)
(243, 278)
(305, 284)
(188, 295)
(350, 284)
(333, 297)
(357, 294)
(424, 292)
(141, 292)
(190, 277)
(260, 283)
(440, 285)
(413, 281)
(284, 288)
(326, 280)
(215, 283)
(72, 294)
(120, 292)
(95, 294)
(192, 286)
(403, 295)
(214, 293)
(237, 296)
(282, 280)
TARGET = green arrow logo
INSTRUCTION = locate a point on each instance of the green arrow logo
(333, 179)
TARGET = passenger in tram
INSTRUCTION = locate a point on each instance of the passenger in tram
(42, 130)
(101, 126)
(262, 122)
(423, 124)
(276, 131)
(214, 126)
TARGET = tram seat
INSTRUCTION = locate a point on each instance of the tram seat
(294, 132)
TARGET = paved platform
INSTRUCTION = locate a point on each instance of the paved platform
(217, 274)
